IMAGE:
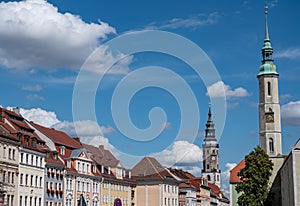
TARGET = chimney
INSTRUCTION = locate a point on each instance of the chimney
(129, 174)
(101, 147)
(102, 169)
(109, 170)
(124, 173)
(16, 110)
(77, 139)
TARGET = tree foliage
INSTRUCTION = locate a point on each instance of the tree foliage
(255, 178)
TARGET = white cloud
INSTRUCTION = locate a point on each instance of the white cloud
(35, 97)
(40, 116)
(290, 113)
(88, 131)
(85, 128)
(182, 155)
(35, 88)
(220, 89)
(288, 53)
(34, 34)
(225, 175)
(190, 22)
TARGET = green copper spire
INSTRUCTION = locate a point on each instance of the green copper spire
(267, 67)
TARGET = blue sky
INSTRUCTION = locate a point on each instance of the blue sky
(44, 44)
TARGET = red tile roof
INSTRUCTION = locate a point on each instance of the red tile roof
(181, 174)
(186, 185)
(58, 137)
(102, 156)
(234, 177)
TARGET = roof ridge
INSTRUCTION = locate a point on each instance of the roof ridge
(154, 168)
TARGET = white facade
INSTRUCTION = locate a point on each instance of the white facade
(31, 178)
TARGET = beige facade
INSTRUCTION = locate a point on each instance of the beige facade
(157, 194)
(9, 159)
(269, 115)
(286, 187)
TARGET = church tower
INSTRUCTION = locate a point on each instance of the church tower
(210, 147)
(269, 107)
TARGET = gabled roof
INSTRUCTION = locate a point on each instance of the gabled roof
(147, 166)
(76, 152)
(234, 177)
(58, 137)
(216, 190)
(102, 156)
(149, 169)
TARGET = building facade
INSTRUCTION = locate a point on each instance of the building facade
(9, 162)
(155, 185)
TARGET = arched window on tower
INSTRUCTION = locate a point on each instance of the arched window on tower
(208, 177)
(269, 88)
(271, 145)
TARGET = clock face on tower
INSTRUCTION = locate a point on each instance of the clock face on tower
(213, 157)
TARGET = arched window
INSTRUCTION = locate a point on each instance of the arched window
(269, 88)
(208, 177)
(271, 145)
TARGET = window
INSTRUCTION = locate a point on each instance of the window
(208, 177)
(27, 157)
(32, 159)
(21, 179)
(21, 201)
(4, 151)
(26, 180)
(13, 154)
(22, 157)
(31, 181)
(4, 176)
(41, 180)
(78, 166)
(78, 185)
(271, 145)
(8, 177)
(9, 153)
(269, 88)
(87, 168)
(62, 150)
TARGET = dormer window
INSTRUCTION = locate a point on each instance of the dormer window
(55, 156)
(69, 163)
(62, 150)
(34, 142)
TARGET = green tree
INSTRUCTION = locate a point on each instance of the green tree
(255, 178)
